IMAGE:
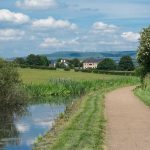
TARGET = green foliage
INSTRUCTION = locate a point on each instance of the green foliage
(11, 93)
(60, 88)
(143, 91)
(126, 64)
(20, 61)
(74, 63)
(107, 64)
(37, 67)
(66, 69)
(32, 60)
(37, 60)
(143, 55)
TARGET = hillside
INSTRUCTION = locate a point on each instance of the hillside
(83, 55)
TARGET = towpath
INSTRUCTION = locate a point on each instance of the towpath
(128, 121)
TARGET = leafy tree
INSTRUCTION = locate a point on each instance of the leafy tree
(37, 60)
(13, 101)
(143, 55)
(126, 64)
(107, 64)
(10, 90)
(74, 63)
(20, 60)
(44, 61)
(31, 59)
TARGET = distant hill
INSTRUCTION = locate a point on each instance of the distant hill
(83, 55)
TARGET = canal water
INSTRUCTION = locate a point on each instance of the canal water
(20, 132)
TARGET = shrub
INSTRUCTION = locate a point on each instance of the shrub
(11, 93)
(107, 64)
(66, 69)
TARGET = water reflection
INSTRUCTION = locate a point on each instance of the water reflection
(20, 127)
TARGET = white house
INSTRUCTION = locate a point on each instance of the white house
(91, 63)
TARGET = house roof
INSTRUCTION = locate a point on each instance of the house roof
(92, 60)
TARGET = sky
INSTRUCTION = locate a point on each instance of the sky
(48, 26)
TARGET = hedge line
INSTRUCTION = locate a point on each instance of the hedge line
(127, 73)
(37, 67)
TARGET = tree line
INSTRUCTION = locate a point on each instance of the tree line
(125, 64)
(33, 60)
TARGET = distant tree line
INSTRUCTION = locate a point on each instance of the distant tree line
(33, 60)
(125, 64)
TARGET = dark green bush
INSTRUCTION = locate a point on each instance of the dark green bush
(66, 69)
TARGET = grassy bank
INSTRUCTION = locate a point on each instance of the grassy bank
(82, 127)
(143, 92)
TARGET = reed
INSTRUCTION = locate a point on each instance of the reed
(72, 88)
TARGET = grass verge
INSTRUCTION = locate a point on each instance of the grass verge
(82, 127)
(143, 91)
(143, 94)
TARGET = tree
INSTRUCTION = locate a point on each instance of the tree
(107, 64)
(143, 55)
(37, 60)
(31, 59)
(126, 64)
(13, 102)
(74, 63)
(10, 90)
(20, 60)
(44, 61)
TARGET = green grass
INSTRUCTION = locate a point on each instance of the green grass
(82, 127)
(60, 87)
(43, 76)
(143, 92)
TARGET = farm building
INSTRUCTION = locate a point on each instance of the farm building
(91, 63)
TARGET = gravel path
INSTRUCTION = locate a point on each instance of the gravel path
(128, 121)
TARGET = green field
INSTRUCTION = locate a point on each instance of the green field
(82, 126)
(43, 76)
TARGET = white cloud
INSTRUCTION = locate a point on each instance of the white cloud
(8, 16)
(103, 27)
(50, 22)
(55, 43)
(22, 127)
(130, 36)
(36, 4)
(11, 34)
(109, 43)
(51, 42)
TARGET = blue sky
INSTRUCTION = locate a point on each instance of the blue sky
(47, 26)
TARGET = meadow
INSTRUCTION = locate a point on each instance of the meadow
(82, 126)
(43, 76)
